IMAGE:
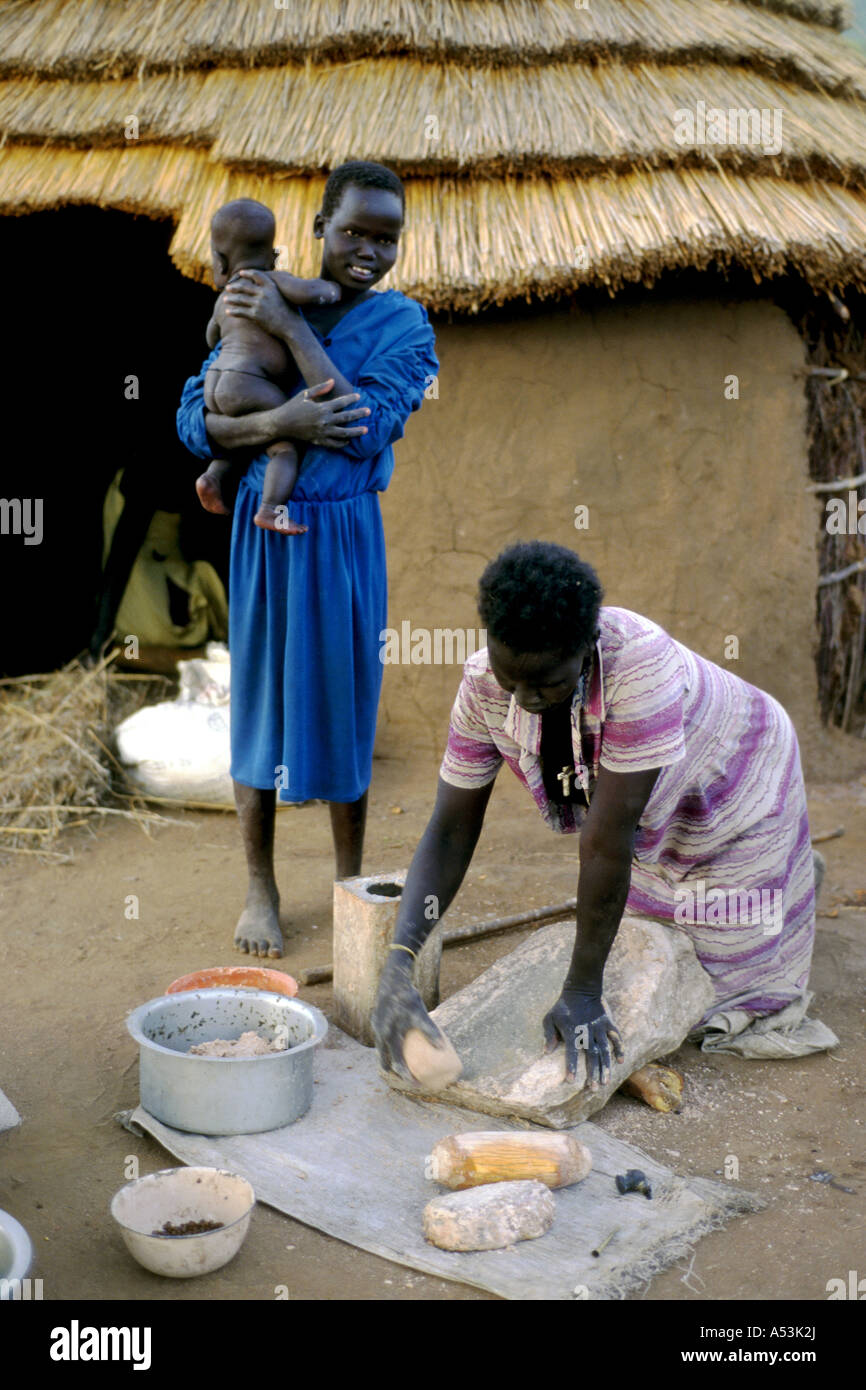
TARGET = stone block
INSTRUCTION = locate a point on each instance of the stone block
(490, 1217)
(655, 992)
(365, 914)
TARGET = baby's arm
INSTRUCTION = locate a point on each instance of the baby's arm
(298, 291)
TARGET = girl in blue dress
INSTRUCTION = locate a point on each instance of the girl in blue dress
(305, 617)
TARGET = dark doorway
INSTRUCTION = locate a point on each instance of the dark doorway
(92, 299)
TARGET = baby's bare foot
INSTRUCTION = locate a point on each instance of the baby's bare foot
(258, 929)
(299, 291)
(210, 495)
(278, 519)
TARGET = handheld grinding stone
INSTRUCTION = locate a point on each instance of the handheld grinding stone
(433, 1067)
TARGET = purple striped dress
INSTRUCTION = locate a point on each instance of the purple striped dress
(722, 851)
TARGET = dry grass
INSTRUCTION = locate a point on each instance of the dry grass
(56, 768)
(555, 163)
(554, 119)
(837, 14)
(79, 38)
(471, 242)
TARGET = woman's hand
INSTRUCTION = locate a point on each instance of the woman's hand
(580, 1020)
(252, 295)
(399, 1007)
(326, 424)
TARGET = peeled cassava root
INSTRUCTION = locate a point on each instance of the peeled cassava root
(490, 1156)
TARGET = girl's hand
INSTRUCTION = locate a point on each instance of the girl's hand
(325, 424)
(580, 1020)
(399, 1007)
(253, 295)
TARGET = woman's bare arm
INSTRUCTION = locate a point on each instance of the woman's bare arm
(435, 874)
(256, 430)
(325, 423)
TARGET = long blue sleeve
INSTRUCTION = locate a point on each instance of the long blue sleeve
(393, 380)
(190, 413)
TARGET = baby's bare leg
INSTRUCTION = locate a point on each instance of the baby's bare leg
(230, 392)
(209, 486)
(280, 479)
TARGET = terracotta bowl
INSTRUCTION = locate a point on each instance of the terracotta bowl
(236, 977)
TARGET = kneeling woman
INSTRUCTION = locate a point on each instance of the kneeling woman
(679, 777)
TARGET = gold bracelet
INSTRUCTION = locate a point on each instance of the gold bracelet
(395, 946)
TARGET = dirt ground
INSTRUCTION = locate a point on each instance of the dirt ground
(74, 966)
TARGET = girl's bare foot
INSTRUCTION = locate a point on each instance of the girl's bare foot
(278, 519)
(210, 495)
(258, 929)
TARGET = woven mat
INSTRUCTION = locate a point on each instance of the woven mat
(353, 1167)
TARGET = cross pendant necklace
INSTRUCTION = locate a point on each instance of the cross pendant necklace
(565, 777)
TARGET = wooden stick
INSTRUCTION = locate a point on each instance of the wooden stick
(318, 974)
(837, 484)
(602, 1243)
(41, 853)
(852, 694)
(829, 835)
(839, 575)
(79, 810)
(495, 924)
(175, 801)
(834, 375)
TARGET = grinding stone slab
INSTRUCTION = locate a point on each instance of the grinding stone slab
(656, 991)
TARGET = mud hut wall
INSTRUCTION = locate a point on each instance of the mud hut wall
(697, 511)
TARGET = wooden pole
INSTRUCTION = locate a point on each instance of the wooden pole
(318, 974)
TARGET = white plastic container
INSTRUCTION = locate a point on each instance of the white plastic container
(179, 1196)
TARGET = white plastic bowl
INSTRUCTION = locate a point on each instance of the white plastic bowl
(179, 1195)
(16, 1254)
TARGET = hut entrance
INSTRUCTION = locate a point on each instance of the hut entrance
(106, 331)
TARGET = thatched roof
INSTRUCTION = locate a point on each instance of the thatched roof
(539, 142)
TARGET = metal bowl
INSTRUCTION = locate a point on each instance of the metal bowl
(225, 1095)
(179, 1196)
(16, 1253)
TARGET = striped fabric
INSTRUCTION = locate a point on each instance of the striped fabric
(722, 850)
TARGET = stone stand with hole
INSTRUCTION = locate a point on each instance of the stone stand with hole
(365, 914)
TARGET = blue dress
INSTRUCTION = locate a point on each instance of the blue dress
(306, 612)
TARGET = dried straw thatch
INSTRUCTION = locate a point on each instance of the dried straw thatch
(539, 140)
(77, 38)
(556, 119)
(476, 241)
(56, 769)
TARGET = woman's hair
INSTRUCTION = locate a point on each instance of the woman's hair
(362, 173)
(540, 597)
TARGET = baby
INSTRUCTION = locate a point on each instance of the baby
(250, 363)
